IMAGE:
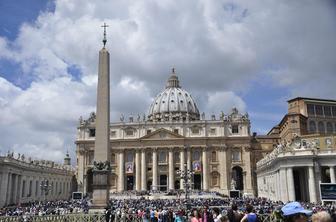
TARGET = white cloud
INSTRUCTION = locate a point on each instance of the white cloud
(218, 47)
(224, 101)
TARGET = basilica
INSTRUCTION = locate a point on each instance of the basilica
(146, 152)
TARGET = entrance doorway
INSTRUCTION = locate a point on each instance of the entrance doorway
(89, 181)
(197, 182)
(237, 176)
(129, 182)
(177, 185)
(300, 184)
(163, 182)
(149, 184)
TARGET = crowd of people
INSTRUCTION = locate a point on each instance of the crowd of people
(177, 210)
(216, 210)
(47, 208)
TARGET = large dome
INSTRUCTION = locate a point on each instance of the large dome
(173, 103)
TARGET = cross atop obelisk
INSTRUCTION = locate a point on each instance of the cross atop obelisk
(104, 39)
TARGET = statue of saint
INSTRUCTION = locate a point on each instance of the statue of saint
(233, 184)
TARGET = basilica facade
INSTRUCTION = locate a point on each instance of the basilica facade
(147, 151)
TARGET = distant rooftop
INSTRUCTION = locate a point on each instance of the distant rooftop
(314, 99)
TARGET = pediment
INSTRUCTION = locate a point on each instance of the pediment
(162, 134)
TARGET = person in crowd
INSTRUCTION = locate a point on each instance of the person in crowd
(196, 217)
(321, 216)
(224, 219)
(250, 216)
(233, 214)
(206, 215)
(216, 214)
(295, 212)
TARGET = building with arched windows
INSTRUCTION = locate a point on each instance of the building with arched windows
(147, 151)
(306, 116)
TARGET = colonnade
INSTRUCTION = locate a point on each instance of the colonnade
(145, 171)
(284, 183)
(20, 188)
(141, 168)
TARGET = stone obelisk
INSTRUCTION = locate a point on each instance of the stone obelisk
(101, 169)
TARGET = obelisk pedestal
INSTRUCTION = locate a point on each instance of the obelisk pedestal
(101, 170)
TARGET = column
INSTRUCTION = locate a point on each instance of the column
(15, 179)
(182, 167)
(283, 187)
(311, 184)
(9, 189)
(121, 176)
(143, 170)
(278, 197)
(223, 170)
(290, 184)
(188, 158)
(205, 169)
(248, 177)
(3, 191)
(171, 168)
(332, 174)
(155, 173)
(137, 171)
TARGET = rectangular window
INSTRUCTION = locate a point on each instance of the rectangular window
(327, 111)
(333, 110)
(236, 155)
(176, 131)
(235, 129)
(113, 133)
(30, 188)
(92, 132)
(162, 157)
(149, 131)
(319, 110)
(195, 131)
(91, 157)
(129, 132)
(213, 131)
(213, 156)
(310, 109)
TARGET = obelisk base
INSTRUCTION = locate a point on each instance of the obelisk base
(100, 189)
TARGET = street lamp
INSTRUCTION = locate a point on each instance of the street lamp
(186, 176)
(45, 187)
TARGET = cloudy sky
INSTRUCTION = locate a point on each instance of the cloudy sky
(254, 55)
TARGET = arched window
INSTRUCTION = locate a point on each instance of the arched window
(329, 127)
(321, 127)
(312, 127)
(213, 156)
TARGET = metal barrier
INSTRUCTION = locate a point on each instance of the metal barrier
(100, 218)
(57, 218)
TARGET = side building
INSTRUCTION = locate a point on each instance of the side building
(24, 180)
(307, 116)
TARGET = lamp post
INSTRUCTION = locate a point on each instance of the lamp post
(186, 176)
(45, 187)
